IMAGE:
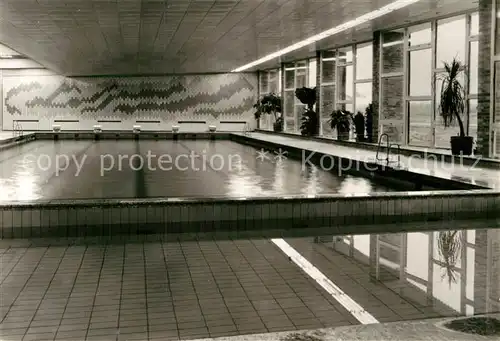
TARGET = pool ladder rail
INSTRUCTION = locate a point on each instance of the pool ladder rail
(388, 146)
(17, 129)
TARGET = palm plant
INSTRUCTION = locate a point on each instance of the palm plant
(342, 121)
(270, 104)
(310, 122)
(452, 105)
(449, 246)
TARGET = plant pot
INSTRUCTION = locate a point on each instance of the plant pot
(278, 126)
(342, 135)
(461, 145)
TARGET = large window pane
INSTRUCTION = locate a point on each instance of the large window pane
(289, 103)
(345, 82)
(364, 61)
(392, 98)
(420, 34)
(273, 81)
(474, 24)
(363, 96)
(301, 79)
(328, 71)
(345, 54)
(451, 34)
(420, 123)
(312, 73)
(473, 67)
(263, 78)
(420, 72)
(289, 78)
(392, 51)
(473, 118)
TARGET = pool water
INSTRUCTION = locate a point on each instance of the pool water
(141, 169)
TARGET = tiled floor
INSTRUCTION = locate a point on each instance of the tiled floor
(437, 168)
(166, 290)
(158, 291)
(353, 277)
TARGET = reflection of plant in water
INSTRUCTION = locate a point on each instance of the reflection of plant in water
(449, 246)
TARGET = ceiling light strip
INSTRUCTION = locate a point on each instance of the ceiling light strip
(348, 25)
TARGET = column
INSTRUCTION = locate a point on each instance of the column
(484, 78)
(376, 85)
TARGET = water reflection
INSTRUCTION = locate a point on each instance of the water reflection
(455, 272)
(283, 177)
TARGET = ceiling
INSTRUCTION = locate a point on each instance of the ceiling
(127, 37)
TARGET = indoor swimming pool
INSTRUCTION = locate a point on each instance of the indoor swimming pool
(88, 169)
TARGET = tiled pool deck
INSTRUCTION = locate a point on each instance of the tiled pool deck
(153, 289)
(429, 330)
(169, 287)
(440, 169)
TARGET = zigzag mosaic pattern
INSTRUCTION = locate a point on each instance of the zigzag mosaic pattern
(166, 98)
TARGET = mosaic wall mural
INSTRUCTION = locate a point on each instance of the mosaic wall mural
(167, 99)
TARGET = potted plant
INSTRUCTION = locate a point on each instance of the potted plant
(452, 106)
(341, 120)
(359, 125)
(270, 104)
(369, 122)
(310, 122)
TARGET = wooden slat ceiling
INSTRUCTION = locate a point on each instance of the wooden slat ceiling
(98, 37)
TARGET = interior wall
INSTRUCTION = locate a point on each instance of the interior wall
(38, 100)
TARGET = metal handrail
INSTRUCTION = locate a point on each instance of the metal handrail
(388, 146)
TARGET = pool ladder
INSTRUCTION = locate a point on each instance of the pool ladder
(17, 129)
(388, 146)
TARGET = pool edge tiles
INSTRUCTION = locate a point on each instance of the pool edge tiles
(107, 217)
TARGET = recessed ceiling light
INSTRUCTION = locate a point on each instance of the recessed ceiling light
(394, 6)
(6, 56)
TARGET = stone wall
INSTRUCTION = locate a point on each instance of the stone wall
(484, 75)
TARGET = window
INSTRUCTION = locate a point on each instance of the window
(473, 67)
(345, 82)
(269, 82)
(420, 78)
(312, 73)
(420, 123)
(451, 35)
(345, 55)
(392, 51)
(364, 61)
(420, 34)
(363, 96)
(474, 24)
